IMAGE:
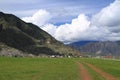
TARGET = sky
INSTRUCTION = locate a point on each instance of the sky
(70, 20)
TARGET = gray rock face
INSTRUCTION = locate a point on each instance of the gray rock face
(102, 48)
(27, 38)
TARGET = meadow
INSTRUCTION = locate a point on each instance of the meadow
(53, 68)
(108, 65)
(37, 69)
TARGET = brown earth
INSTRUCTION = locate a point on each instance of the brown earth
(102, 73)
(84, 75)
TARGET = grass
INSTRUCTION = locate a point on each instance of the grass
(37, 69)
(53, 68)
(93, 74)
(110, 66)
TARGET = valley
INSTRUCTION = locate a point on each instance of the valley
(58, 69)
(59, 40)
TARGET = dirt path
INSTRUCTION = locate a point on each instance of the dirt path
(102, 73)
(83, 72)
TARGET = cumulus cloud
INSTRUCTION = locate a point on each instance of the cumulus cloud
(108, 18)
(105, 25)
(50, 28)
(39, 18)
(71, 32)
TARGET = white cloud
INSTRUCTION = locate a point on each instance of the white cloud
(108, 19)
(50, 28)
(105, 25)
(108, 16)
(71, 32)
(39, 18)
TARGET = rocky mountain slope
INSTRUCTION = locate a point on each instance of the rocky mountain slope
(102, 48)
(28, 38)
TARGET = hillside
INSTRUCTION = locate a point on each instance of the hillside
(80, 43)
(111, 48)
(28, 38)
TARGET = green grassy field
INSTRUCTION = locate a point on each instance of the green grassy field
(109, 66)
(37, 69)
(52, 68)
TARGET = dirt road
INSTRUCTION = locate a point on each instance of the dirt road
(102, 73)
(84, 74)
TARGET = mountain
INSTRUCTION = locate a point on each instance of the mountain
(28, 38)
(80, 43)
(101, 48)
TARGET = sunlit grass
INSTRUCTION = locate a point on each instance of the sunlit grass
(38, 68)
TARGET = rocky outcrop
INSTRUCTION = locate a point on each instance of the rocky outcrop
(28, 38)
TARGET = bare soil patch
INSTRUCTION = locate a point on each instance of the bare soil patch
(83, 72)
(102, 73)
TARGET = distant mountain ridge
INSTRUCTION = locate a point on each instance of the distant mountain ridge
(99, 48)
(80, 43)
(28, 38)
